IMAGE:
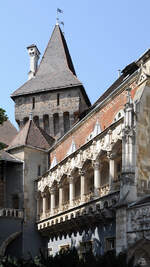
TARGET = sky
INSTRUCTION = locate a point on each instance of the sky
(102, 37)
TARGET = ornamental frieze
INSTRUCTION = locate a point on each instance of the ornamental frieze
(139, 219)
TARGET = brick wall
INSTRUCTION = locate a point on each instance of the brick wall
(105, 117)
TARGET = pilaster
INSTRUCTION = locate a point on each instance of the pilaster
(128, 186)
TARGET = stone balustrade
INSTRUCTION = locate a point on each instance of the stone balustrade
(104, 190)
(7, 212)
(95, 206)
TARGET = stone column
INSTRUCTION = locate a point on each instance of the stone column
(97, 177)
(71, 190)
(44, 202)
(83, 185)
(52, 193)
(111, 156)
(61, 196)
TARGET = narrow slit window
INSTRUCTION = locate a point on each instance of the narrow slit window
(58, 99)
(39, 170)
(33, 102)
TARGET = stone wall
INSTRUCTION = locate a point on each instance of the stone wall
(14, 185)
(143, 141)
(33, 158)
(45, 105)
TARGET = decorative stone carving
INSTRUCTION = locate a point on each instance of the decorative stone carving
(140, 219)
(44, 194)
(82, 172)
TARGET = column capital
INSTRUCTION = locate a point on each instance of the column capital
(82, 172)
(111, 155)
(52, 190)
(97, 165)
(60, 185)
(70, 179)
(43, 194)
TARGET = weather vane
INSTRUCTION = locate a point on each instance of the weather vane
(59, 11)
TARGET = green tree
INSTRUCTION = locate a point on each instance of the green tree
(3, 116)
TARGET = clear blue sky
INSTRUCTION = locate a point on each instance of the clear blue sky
(102, 36)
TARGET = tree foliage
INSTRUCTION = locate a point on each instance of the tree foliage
(70, 258)
(3, 116)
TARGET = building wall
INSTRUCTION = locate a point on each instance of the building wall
(143, 141)
(49, 103)
(10, 226)
(104, 115)
(98, 237)
(13, 184)
(32, 240)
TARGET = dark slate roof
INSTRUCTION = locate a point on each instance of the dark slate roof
(7, 132)
(4, 156)
(127, 71)
(32, 135)
(56, 69)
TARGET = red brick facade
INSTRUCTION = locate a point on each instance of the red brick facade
(105, 116)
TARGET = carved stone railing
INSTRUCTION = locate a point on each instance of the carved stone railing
(7, 212)
(89, 196)
(77, 201)
(104, 190)
(65, 206)
(94, 207)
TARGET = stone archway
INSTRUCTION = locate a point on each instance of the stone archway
(141, 252)
(7, 241)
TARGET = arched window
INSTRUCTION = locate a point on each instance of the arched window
(25, 120)
(66, 122)
(36, 120)
(46, 123)
(56, 123)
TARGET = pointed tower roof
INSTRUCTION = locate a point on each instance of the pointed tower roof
(32, 135)
(56, 69)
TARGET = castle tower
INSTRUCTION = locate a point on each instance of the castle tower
(53, 92)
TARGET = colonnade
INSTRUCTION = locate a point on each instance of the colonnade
(97, 166)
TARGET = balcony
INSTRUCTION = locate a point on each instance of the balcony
(12, 213)
(82, 215)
